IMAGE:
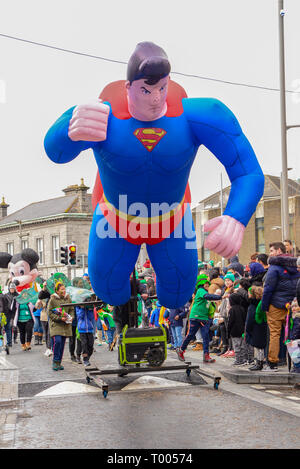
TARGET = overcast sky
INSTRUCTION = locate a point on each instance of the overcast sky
(232, 40)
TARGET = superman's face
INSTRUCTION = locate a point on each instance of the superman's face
(147, 102)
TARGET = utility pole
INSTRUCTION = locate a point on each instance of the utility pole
(222, 209)
(285, 221)
(284, 171)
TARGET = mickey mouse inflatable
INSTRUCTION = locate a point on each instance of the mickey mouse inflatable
(22, 267)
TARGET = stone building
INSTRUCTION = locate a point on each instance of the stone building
(47, 225)
(264, 226)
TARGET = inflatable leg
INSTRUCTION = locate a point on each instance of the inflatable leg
(111, 261)
(175, 263)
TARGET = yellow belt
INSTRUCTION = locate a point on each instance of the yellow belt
(144, 220)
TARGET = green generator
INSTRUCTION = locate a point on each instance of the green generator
(143, 345)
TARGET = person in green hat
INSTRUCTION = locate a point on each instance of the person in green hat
(199, 318)
(231, 277)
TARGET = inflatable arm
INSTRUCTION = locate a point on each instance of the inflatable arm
(58, 146)
(216, 127)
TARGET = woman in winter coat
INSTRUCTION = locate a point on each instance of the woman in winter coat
(256, 327)
(236, 328)
(59, 325)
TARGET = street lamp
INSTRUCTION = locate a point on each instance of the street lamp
(284, 172)
(284, 128)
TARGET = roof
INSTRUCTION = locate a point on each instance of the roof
(45, 208)
(271, 190)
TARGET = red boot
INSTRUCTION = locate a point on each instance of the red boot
(208, 359)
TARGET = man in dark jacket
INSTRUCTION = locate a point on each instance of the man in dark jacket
(6, 307)
(297, 263)
(279, 289)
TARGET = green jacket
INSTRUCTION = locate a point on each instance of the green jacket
(201, 307)
(56, 325)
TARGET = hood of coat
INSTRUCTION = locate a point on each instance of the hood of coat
(256, 268)
(235, 299)
(286, 262)
(217, 281)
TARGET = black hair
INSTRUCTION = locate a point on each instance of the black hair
(278, 245)
(263, 258)
(213, 274)
(245, 283)
(148, 61)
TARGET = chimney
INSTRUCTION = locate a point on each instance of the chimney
(83, 199)
(83, 204)
(3, 209)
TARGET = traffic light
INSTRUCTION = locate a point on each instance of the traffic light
(64, 255)
(72, 251)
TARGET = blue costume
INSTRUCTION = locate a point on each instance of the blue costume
(150, 163)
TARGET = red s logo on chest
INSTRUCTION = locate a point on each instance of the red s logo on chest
(149, 137)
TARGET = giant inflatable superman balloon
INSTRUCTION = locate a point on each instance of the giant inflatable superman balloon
(145, 133)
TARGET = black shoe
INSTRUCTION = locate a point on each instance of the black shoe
(271, 367)
(258, 366)
(73, 358)
(78, 360)
(86, 363)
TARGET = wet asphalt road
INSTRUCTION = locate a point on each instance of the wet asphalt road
(199, 418)
(188, 417)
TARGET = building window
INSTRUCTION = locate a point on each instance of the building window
(10, 248)
(55, 249)
(24, 244)
(40, 249)
(260, 235)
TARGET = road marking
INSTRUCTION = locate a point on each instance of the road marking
(274, 392)
(293, 398)
(144, 382)
(67, 387)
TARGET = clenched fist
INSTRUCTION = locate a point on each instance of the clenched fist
(89, 122)
(226, 235)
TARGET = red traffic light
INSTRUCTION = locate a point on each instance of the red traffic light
(72, 254)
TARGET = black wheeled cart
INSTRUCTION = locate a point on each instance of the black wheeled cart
(140, 350)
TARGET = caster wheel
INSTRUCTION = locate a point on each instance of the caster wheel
(105, 394)
(216, 385)
(188, 372)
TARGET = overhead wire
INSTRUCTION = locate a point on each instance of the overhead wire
(98, 57)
